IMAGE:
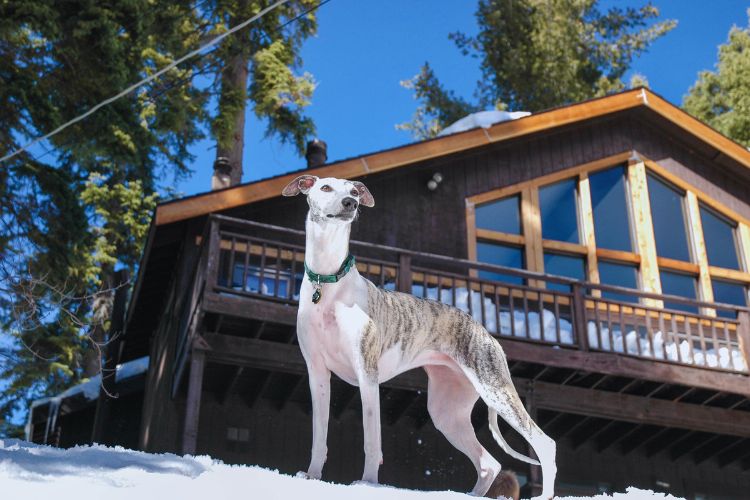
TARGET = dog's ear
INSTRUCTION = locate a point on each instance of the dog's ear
(365, 197)
(301, 184)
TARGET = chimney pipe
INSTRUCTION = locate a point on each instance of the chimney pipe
(222, 177)
(317, 153)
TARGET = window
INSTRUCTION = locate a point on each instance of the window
(668, 216)
(503, 216)
(501, 255)
(610, 207)
(564, 265)
(728, 292)
(683, 285)
(625, 275)
(558, 206)
(718, 233)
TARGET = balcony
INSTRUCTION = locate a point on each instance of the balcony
(245, 265)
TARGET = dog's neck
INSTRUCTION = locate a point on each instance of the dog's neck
(327, 245)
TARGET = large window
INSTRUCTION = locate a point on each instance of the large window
(609, 203)
(557, 203)
(501, 255)
(668, 216)
(580, 224)
(503, 216)
(570, 266)
(721, 245)
(618, 274)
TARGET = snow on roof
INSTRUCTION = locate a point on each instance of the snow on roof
(89, 390)
(484, 119)
(32, 471)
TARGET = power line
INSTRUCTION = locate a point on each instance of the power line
(174, 84)
(145, 80)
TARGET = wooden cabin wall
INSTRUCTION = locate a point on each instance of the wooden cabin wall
(421, 458)
(407, 215)
(162, 418)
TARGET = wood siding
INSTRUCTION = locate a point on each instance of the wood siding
(408, 215)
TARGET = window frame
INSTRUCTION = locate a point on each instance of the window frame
(647, 263)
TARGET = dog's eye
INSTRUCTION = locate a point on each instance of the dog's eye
(326, 188)
(354, 192)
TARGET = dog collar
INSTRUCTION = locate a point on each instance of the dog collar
(317, 279)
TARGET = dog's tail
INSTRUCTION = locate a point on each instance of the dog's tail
(501, 441)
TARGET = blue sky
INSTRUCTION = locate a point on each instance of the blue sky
(363, 50)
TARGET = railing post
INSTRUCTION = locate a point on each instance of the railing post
(404, 273)
(579, 316)
(214, 249)
(743, 335)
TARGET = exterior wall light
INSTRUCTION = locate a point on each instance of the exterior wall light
(436, 179)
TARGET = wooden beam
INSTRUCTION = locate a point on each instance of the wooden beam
(637, 409)
(587, 226)
(231, 385)
(695, 234)
(247, 307)
(531, 222)
(627, 366)
(644, 229)
(193, 403)
(569, 399)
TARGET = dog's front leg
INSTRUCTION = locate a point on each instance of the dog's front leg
(320, 392)
(370, 394)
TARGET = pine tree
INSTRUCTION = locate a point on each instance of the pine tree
(71, 216)
(538, 54)
(258, 64)
(721, 98)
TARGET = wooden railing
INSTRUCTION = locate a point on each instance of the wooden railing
(250, 259)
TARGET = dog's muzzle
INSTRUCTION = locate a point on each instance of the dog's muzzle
(349, 209)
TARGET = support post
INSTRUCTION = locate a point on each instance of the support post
(111, 357)
(193, 403)
(404, 273)
(535, 479)
(743, 335)
(579, 316)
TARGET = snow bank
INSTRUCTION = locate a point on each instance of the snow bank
(484, 119)
(33, 472)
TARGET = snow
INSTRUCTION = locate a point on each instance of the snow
(35, 472)
(484, 119)
(88, 389)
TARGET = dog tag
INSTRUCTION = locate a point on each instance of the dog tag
(316, 295)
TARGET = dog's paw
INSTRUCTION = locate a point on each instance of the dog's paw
(304, 475)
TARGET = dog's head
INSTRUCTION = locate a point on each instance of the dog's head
(331, 199)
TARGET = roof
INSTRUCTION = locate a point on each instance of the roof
(213, 201)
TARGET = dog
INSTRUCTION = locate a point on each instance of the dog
(367, 335)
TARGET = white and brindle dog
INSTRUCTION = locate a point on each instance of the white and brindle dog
(367, 335)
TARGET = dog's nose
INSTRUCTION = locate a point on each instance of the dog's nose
(349, 203)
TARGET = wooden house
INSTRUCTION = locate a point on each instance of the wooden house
(605, 244)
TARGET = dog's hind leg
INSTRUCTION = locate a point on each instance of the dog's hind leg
(450, 399)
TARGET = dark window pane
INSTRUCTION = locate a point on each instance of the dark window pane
(502, 255)
(728, 293)
(559, 214)
(564, 265)
(618, 275)
(678, 284)
(668, 214)
(502, 215)
(609, 201)
(718, 234)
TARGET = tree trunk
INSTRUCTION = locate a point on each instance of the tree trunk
(234, 83)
